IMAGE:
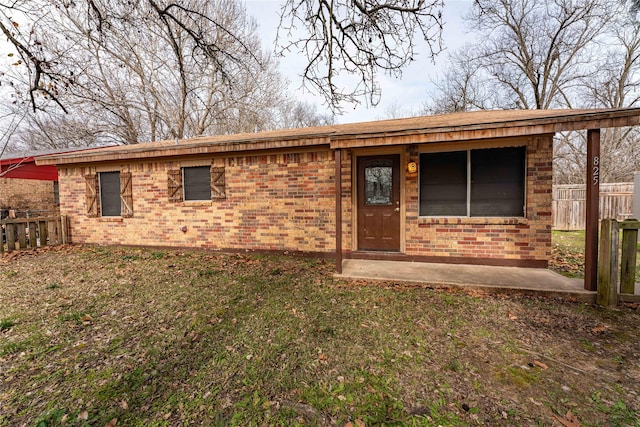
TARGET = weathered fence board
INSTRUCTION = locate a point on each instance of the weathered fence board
(629, 256)
(569, 204)
(11, 238)
(608, 264)
(610, 291)
(25, 233)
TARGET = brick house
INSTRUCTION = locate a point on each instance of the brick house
(25, 186)
(466, 187)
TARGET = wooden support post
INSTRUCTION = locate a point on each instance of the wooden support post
(43, 233)
(338, 184)
(11, 237)
(608, 264)
(593, 210)
(629, 255)
(1, 239)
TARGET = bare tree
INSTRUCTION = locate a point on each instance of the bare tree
(536, 52)
(357, 38)
(462, 87)
(47, 62)
(133, 83)
(58, 131)
(353, 37)
(616, 84)
(551, 54)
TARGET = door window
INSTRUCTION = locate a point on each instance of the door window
(378, 175)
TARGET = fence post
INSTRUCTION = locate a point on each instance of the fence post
(43, 233)
(608, 264)
(636, 194)
(629, 251)
(11, 236)
(33, 242)
(22, 235)
(65, 229)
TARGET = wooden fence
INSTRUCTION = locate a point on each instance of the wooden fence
(570, 204)
(617, 265)
(26, 233)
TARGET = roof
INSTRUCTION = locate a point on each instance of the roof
(22, 165)
(425, 129)
(16, 156)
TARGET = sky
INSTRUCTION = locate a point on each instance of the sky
(407, 93)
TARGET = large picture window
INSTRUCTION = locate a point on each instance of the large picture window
(480, 182)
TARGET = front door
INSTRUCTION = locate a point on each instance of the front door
(379, 203)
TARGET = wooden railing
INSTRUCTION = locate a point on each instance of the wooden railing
(27, 233)
(609, 269)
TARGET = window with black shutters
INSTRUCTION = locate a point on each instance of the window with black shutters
(196, 182)
(110, 194)
(480, 183)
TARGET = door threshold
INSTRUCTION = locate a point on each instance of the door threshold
(378, 255)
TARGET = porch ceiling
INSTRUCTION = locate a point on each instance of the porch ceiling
(427, 129)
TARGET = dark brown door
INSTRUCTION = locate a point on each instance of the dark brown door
(379, 203)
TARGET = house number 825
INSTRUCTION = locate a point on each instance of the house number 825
(596, 170)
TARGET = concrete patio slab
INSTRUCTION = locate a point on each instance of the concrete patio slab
(528, 281)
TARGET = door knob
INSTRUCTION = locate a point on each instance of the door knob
(397, 209)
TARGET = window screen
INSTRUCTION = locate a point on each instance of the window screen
(443, 184)
(494, 185)
(497, 182)
(197, 183)
(110, 193)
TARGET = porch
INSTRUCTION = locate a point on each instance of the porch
(490, 279)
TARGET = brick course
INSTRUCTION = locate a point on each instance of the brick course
(281, 202)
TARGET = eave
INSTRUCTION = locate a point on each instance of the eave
(427, 129)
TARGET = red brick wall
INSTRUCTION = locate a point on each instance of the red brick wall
(526, 239)
(27, 194)
(281, 202)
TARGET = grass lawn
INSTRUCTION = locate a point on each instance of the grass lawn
(568, 253)
(131, 337)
